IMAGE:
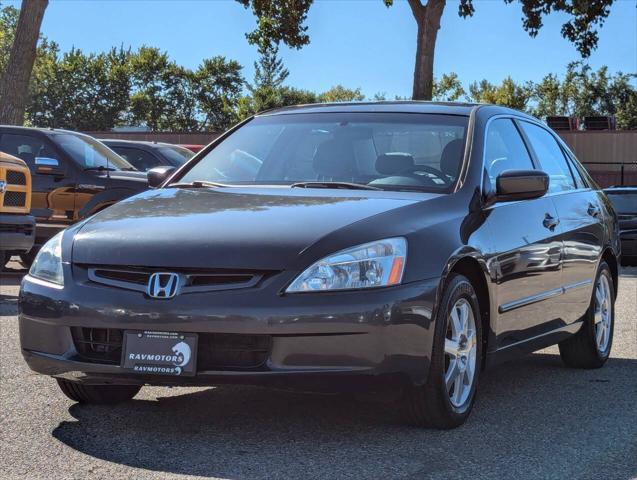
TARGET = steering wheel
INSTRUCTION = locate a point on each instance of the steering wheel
(411, 172)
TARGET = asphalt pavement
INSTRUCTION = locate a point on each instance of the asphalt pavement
(534, 419)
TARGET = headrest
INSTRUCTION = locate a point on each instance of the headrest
(393, 163)
(335, 159)
(451, 158)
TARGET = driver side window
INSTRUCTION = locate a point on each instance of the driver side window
(504, 149)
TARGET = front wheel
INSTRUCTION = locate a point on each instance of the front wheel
(590, 347)
(98, 394)
(446, 399)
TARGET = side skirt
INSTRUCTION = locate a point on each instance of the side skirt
(533, 344)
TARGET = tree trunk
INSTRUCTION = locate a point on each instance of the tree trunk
(428, 20)
(14, 85)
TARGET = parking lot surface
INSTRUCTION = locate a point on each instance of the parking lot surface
(534, 418)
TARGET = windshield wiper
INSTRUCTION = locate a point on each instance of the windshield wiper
(200, 184)
(341, 185)
(101, 168)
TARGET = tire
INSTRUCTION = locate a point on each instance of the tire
(27, 258)
(431, 405)
(585, 349)
(97, 394)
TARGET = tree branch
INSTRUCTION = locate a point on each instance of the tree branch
(418, 9)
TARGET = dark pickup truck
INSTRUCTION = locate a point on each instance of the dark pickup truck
(73, 176)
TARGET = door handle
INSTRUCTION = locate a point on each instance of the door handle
(593, 210)
(550, 222)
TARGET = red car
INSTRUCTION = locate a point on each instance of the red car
(192, 148)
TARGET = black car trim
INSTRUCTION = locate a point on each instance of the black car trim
(555, 292)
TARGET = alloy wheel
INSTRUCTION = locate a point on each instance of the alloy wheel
(603, 313)
(460, 352)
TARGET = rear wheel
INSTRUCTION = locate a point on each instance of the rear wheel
(27, 258)
(590, 347)
(447, 398)
(99, 394)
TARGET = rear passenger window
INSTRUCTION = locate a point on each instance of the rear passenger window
(504, 149)
(550, 156)
(141, 160)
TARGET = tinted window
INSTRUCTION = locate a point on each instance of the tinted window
(624, 203)
(89, 153)
(176, 156)
(139, 159)
(387, 150)
(26, 148)
(550, 156)
(504, 149)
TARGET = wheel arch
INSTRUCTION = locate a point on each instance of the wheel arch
(473, 266)
(608, 255)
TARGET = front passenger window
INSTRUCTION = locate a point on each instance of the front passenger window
(504, 149)
(550, 156)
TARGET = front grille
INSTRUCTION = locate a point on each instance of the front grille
(191, 281)
(231, 351)
(215, 351)
(15, 199)
(16, 178)
(21, 229)
(98, 345)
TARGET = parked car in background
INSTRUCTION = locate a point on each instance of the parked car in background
(399, 245)
(73, 176)
(624, 199)
(17, 226)
(192, 147)
(146, 155)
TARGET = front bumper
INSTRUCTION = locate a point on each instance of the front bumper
(17, 232)
(326, 341)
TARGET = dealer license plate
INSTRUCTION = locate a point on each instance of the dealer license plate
(159, 353)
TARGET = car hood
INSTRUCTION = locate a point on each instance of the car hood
(241, 228)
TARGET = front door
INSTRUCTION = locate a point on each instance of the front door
(53, 186)
(526, 245)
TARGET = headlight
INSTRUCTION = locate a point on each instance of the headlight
(375, 264)
(48, 262)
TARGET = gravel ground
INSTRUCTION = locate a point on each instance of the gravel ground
(534, 418)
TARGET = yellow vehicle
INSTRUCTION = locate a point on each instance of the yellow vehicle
(17, 226)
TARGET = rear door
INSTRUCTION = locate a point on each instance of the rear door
(581, 219)
(525, 242)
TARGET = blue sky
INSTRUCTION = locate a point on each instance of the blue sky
(357, 43)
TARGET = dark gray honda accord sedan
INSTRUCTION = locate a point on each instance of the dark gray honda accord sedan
(329, 247)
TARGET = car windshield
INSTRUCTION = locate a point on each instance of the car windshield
(392, 151)
(176, 155)
(624, 203)
(89, 153)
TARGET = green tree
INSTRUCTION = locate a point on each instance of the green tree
(448, 88)
(8, 24)
(269, 70)
(339, 93)
(219, 85)
(508, 93)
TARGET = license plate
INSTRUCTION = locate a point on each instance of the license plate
(159, 353)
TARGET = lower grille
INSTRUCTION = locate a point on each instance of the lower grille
(221, 351)
(215, 351)
(15, 199)
(22, 229)
(98, 345)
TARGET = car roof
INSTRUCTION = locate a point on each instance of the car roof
(622, 189)
(45, 131)
(410, 106)
(145, 143)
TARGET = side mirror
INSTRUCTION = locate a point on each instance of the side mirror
(521, 185)
(48, 166)
(157, 176)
